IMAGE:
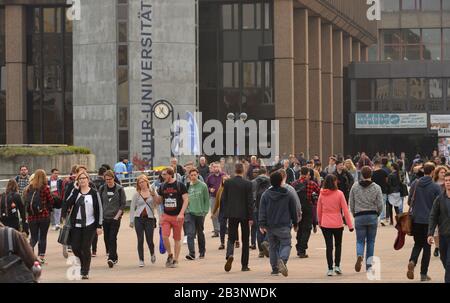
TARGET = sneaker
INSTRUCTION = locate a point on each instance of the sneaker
(84, 277)
(141, 263)
(302, 255)
(215, 235)
(116, 261)
(330, 273)
(382, 223)
(236, 245)
(424, 278)
(153, 259)
(229, 263)
(338, 270)
(265, 248)
(261, 254)
(174, 264)
(221, 247)
(110, 263)
(436, 252)
(315, 229)
(252, 247)
(245, 268)
(275, 273)
(58, 227)
(54, 227)
(185, 240)
(64, 252)
(410, 272)
(282, 268)
(190, 257)
(69, 249)
(169, 260)
(358, 264)
(94, 254)
(202, 256)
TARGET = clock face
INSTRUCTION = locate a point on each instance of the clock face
(162, 111)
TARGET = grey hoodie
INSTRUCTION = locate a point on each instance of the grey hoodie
(366, 197)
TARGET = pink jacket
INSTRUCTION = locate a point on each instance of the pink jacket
(330, 206)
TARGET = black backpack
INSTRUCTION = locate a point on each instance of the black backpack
(261, 187)
(33, 200)
(12, 268)
(300, 188)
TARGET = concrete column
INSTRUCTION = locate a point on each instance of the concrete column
(338, 87)
(347, 50)
(301, 78)
(327, 89)
(16, 97)
(284, 72)
(356, 52)
(315, 87)
(364, 54)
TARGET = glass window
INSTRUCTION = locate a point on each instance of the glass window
(448, 88)
(2, 118)
(382, 89)
(390, 5)
(123, 55)
(435, 88)
(53, 118)
(3, 78)
(258, 16)
(412, 52)
(364, 89)
(122, 12)
(446, 43)
(400, 88)
(410, 4)
(248, 16)
(435, 105)
(123, 140)
(392, 53)
(432, 44)
(431, 5)
(411, 36)
(49, 20)
(123, 117)
(227, 16)
(399, 105)
(227, 74)
(267, 16)
(259, 74)
(268, 74)
(364, 106)
(373, 52)
(235, 16)
(123, 32)
(417, 87)
(446, 5)
(392, 36)
(249, 74)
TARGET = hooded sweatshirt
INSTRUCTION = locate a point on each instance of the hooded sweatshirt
(198, 199)
(426, 191)
(366, 198)
(277, 208)
(330, 206)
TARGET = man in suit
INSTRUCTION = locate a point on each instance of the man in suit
(238, 207)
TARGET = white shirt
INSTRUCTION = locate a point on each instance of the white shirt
(89, 202)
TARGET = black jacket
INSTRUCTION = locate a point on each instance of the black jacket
(394, 183)
(440, 216)
(71, 203)
(6, 201)
(277, 208)
(204, 171)
(345, 182)
(237, 199)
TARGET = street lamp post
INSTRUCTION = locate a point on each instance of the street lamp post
(235, 117)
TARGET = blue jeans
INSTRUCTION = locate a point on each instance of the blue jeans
(383, 212)
(194, 225)
(366, 232)
(215, 220)
(279, 245)
(444, 247)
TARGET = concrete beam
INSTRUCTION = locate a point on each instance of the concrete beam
(338, 87)
(327, 89)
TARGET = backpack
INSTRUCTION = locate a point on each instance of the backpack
(300, 188)
(33, 200)
(261, 187)
(12, 268)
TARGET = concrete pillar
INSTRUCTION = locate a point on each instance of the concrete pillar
(364, 54)
(284, 72)
(347, 50)
(327, 89)
(338, 87)
(16, 97)
(315, 87)
(301, 78)
(356, 52)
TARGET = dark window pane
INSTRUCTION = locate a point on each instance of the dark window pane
(231, 46)
(268, 74)
(267, 16)
(431, 5)
(390, 5)
(123, 117)
(235, 16)
(399, 105)
(123, 55)
(363, 89)
(123, 140)
(227, 74)
(258, 74)
(68, 119)
(392, 53)
(37, 24)
(231, 101)
(123, 32)
(410, 4)
(53, 77)
(400, 89)
(2, 118)
(34, 118)
(123, 2)
(446, 5)
(382, 90)
(432, 43)
(411, 36)
(227, 16)
(435, 88)
(248, 16)
(392, 36)
(249, 74)
(412, 52)
(446, 42)
(2, 78)
(448, 89)
(52, 49)
(53, 118)
(258, 16)
(237, 77)
(122, 12)
(418, 105)
(123, 87)
(381, 106)
(373, 52)
(435, 105)
(251, 41)
(49, 20)
(252, 101)
(417, 88)
(363, 106)
(432, 52)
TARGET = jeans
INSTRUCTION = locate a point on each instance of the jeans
(279, 245)
(215, 220)
(94, 243)
(254, 230)
(195, 225)
(223, 227)
(144, 226)
(233, 224)
(366, 232)
(383, 212)
(56, 216)
(111, 229)
(420, 234)
(81, 240)
(328, 234)
(38, 231)
(304, 228)
(444, 247)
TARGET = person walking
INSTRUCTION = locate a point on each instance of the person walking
(194, 219)
(11, 206)
(351, 168)
(380, 177)
(38, 206)
(330, 206)
(423, 193)
(395, 198)
(56, 190)
(344, 178)
(86, 219)
(142, 217)
(259, 185)
(366, 204)
(439, 179)
(113, 204)
(238, 207)
(277, 214)
(440, 218)
(203, 168)
(218, 212)
(213, 182)
(173, 195)
(22, 179)
(306, 191)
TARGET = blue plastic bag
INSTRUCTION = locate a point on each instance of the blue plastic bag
(162, 249)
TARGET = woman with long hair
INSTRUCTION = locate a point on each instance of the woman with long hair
(142, 216)
(11, 205)
(330, 206)
(351, 168)
(438, 178)
(86, 219)
(394, 194)
(38, 206)
(216, 212)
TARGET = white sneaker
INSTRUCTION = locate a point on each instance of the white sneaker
(141, 263)
(338, 270)
(54, 227)
(185, 240)
(330, 273)
(58, 227)
(153, 259)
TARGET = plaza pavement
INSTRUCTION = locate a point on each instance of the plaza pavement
(210, 269)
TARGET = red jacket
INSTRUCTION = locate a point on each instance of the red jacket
(330, 207)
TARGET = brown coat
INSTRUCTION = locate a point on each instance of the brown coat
(21, 247)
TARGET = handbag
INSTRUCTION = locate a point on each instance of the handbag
(64, 232)
(405, 219)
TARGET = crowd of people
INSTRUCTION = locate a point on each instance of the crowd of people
(267, 201)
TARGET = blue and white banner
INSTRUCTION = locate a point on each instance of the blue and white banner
(390, 121)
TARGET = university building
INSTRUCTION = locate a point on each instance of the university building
(114, 75)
